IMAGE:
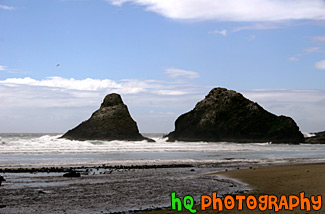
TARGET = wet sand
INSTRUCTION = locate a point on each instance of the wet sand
(283, 180)
(101, 190)
(277, 180)
(116, 190)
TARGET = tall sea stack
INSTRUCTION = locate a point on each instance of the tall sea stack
(112, 121)
(225, 115)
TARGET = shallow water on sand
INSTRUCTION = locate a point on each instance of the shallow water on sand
(120, 190)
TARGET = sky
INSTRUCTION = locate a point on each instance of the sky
(59, 58)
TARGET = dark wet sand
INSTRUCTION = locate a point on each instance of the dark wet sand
(102, 190)
(134, 189)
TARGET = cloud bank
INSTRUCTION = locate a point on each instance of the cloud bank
(85, 84)
(126, 86)
(57, 104)
(233, 10)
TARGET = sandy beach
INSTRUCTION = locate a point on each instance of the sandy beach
(275, 180)
(283, 180)
(118, 190)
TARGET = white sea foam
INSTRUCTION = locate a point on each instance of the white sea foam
(20, 149)
(308, 134)
(54, 144)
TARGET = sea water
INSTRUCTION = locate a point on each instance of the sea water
(142, 188)
(33, 150)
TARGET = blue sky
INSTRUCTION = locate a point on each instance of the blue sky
(162, 56)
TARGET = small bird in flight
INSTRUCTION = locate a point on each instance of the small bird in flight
(57, 65)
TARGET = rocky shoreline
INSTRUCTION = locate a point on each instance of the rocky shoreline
(87, 168)
(139, 189)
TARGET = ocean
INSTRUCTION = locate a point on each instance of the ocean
(33, 150)
(115, 177)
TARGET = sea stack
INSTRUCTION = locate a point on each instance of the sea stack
(112, 121)
(227, 116)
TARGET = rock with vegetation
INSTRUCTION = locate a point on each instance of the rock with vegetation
(227, 116)
(318, 138)
(112, 121)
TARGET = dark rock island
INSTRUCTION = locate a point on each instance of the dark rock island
(111, 122)
(319, 138)
(225, 115)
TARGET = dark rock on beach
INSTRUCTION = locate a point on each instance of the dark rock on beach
(111, 122)
(72, 174)
(225, 115)
(319, 138)
(1, 179)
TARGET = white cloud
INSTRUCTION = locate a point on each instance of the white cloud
(126, 86)
(320, 65)
(10, 71)
(4, 7)
(221, 32)
(73, 0)
(34, 108)
(180, 73)
(85, 84)
(58, 104)
(3, 68)
(264, 26)
(293, 59)
(318, 38)
(312, 49)
(25, 102)
(234, 10)
(170, 92)
(306, 51)
(117, 3)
